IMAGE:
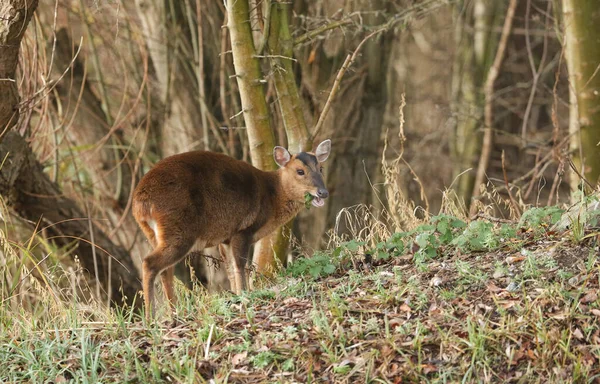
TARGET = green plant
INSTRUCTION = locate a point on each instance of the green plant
(478, 236)
(320, 264)
(539, 217)
(263, 359)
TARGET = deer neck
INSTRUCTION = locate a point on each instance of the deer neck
(283, 206)
(286, 202)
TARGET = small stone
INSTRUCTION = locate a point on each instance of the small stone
(436, 281)
(498, 274)
(512, 287)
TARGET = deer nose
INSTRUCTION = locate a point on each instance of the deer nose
(322, 193)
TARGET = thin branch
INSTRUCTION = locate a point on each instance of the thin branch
(410, 13)
(536, 72)
(316, 32)
(488, 90)
(512, 200)
(338, 79)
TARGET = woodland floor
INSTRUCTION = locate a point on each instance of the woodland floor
(526, 311)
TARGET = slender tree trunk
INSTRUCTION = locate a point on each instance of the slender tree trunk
(582, 51)
(355, 164)
(256, 115)
(250, 83)
(280, 46)
(167, 35)
(475, 48)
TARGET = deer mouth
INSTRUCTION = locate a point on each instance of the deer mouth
(317, 201)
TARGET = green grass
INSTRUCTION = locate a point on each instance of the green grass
(449, 302)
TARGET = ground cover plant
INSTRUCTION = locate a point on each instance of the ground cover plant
(485, 301)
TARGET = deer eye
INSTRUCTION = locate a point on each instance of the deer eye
(300, 172)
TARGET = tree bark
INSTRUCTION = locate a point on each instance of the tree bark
(250, 83)
(15, 18)
(582, 51)
(280, 46)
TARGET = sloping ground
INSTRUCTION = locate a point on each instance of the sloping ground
(526, 312)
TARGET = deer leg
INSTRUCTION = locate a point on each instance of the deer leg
(164, 256)
(239, 247)
(225, 252)
(166, 278)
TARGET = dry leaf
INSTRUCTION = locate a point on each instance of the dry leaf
(428, 368)
(239, 358)
(589, 297)
(578, 335)
(514, 259)
(405, 308)
(493, 287)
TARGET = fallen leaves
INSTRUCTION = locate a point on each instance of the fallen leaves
(589, 297)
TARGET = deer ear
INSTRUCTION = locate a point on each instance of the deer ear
(281, 155)
(323, 150)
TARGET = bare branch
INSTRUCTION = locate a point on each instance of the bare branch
(338, 79)
(488, 91)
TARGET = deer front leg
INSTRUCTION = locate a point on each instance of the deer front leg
(225, 251)
(238, 253)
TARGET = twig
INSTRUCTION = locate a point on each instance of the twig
(207, 349)
(492, 75)
(513, 202)
(492, 219)
(574, 168)
(536, 72)
(316, 32)
(409, 13)
(338, 79)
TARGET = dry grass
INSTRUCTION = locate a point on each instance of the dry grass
(526, 310)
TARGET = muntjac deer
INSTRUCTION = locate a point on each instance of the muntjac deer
(211, 199)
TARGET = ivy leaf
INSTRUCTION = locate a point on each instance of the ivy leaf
(308, 198)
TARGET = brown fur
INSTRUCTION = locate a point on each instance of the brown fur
(214, 199)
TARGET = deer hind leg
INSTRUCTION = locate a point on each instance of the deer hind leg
(164, 257)
(149, 229)
(166, 278)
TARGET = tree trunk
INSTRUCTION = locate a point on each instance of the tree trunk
(582, 51)
(29, 191)
(475, 51)
(15, 18)
(167, 35)
(109, 169)
(256, 115)
(280, 46)
(355, 165)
